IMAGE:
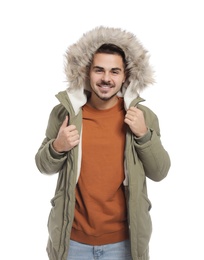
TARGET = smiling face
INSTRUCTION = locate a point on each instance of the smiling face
(106, 78)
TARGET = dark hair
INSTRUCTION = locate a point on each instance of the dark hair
(110, 48)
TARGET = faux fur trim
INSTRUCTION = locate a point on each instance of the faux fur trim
(79, 55)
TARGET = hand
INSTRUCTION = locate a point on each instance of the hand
(67, 137)
(135, 119)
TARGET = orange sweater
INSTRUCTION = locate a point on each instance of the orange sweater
(100, 213)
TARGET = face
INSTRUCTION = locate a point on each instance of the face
(106, 76)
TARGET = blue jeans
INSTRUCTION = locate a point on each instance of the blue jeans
(116, 251)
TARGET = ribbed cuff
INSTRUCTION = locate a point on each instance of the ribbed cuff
(145, 138)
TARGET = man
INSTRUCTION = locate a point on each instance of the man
(104, 144)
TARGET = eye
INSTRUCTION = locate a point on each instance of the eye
(98, 70)
(115, 72)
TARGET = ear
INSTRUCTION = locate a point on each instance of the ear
(125, 77)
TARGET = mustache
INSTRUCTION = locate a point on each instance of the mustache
(106, 83)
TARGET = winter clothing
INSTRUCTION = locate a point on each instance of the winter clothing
(144, 157)
(100, 212)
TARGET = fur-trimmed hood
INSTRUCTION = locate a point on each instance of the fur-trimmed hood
(79, 55)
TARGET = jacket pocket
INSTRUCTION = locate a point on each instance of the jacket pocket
(55, 219)
(144, 224)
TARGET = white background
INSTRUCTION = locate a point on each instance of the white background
(34, 37)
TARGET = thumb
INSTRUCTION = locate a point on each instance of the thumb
(65, 123)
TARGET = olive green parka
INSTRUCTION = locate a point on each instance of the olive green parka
(144, 157)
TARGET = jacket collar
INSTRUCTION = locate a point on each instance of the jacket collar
(74, 100)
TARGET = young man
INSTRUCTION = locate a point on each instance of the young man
(103, 143)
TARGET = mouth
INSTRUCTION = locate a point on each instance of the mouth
(105, 89)
(105, 86)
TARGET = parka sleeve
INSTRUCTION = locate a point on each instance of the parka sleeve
(47, 160)
(152, 154)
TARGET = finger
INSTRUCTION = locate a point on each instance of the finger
(131, 115)
(133, 109)
(72, 134)
(74, 138)
(71, 128)
(65, 122)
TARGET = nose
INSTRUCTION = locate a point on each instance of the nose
(106, 76)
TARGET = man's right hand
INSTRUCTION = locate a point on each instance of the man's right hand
(67, 137)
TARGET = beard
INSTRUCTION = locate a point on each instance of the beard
(104, 98)
(100, 94)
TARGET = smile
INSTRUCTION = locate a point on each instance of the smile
(105, 86)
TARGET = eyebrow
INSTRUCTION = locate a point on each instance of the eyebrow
(98, 67)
